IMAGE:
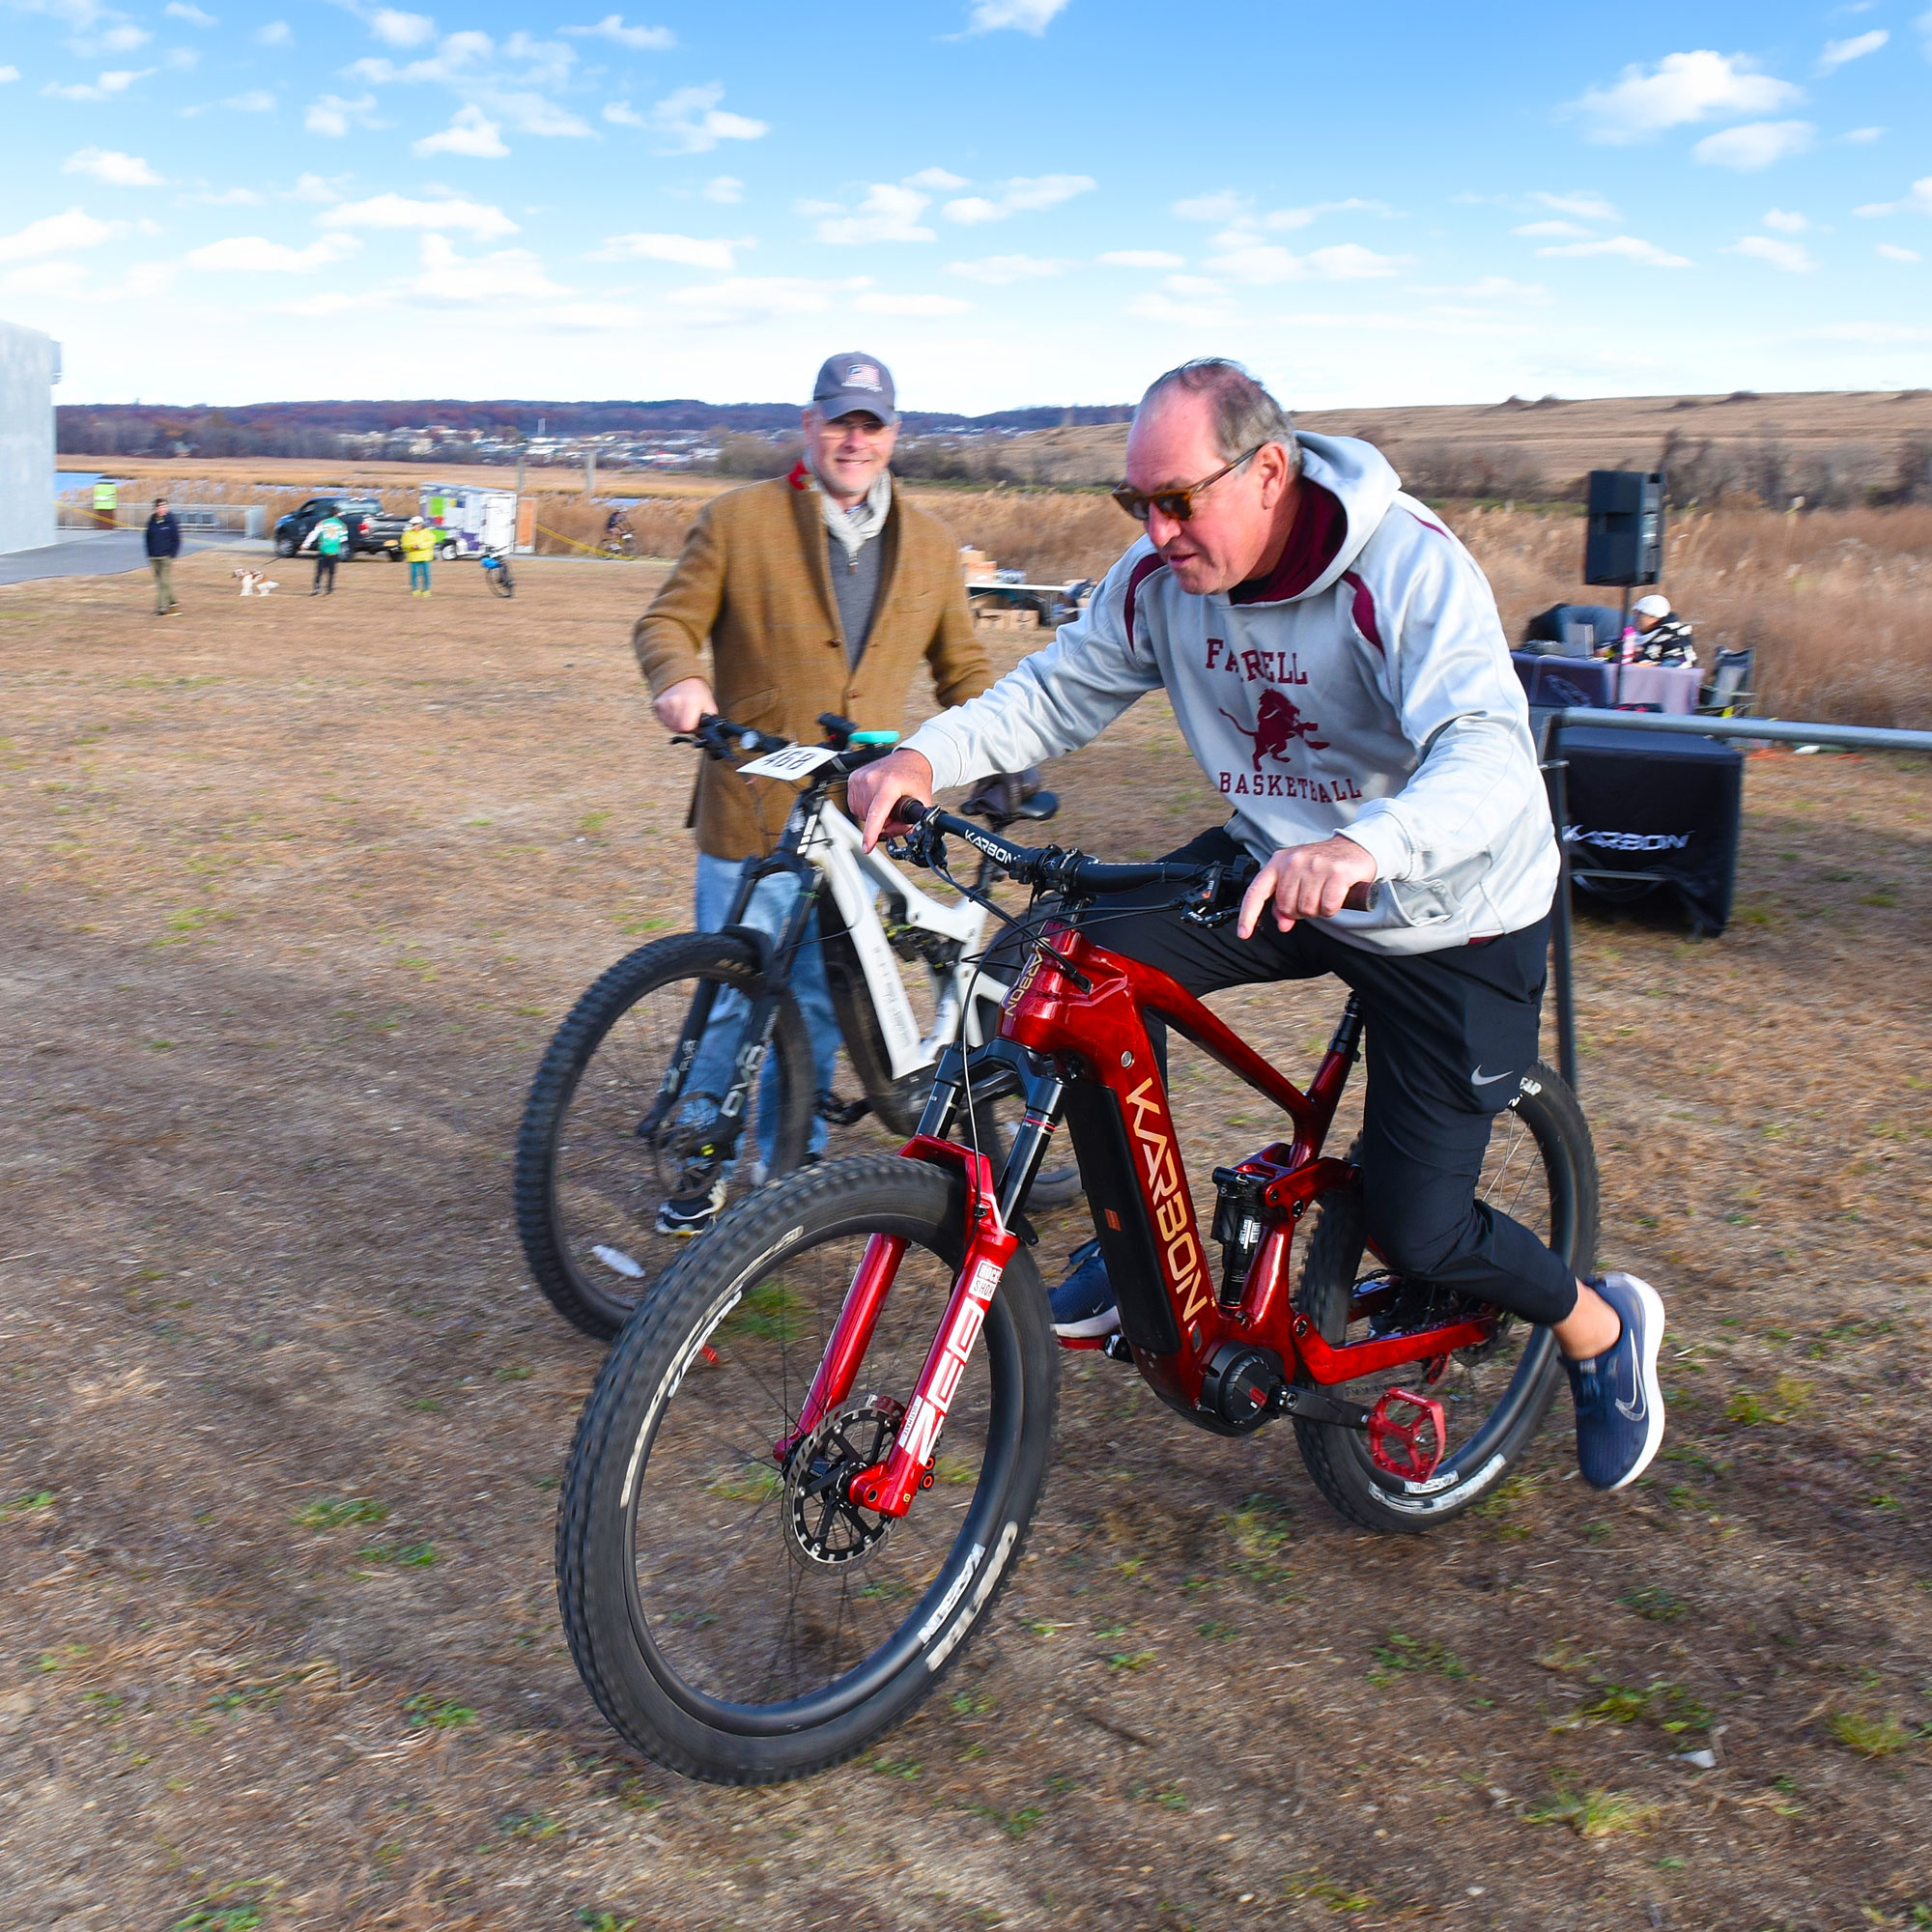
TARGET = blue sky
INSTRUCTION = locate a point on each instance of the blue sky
(1012, 201)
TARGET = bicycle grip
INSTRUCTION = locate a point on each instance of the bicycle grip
(905, 814)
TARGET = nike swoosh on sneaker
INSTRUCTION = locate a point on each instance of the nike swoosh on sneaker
(1478, 1078)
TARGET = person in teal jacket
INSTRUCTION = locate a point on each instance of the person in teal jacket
(330, 538)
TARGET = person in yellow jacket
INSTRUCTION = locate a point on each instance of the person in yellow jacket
(418, 546)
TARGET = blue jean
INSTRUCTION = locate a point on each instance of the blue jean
(770, 905)
(419, 575)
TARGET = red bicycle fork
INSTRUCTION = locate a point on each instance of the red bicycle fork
(889, 1487)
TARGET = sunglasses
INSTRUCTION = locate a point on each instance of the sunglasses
(1175, 503)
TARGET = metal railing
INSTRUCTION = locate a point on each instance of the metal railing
(1760, 730)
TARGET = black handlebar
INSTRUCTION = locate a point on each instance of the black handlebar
(1057, 869)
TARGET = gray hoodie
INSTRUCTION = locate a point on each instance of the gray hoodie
(1364, 688)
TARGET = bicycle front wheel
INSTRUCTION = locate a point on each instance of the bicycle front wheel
(733, 1615)
(595, 1163)
(1541, 1170)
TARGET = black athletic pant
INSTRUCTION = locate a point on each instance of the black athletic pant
(1449, 1034)
(325, 576)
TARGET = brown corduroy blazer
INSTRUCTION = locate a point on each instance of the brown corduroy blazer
(754, 582)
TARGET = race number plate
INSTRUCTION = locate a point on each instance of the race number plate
(795, 761)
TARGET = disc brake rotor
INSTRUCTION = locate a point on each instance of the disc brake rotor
(823, 1527)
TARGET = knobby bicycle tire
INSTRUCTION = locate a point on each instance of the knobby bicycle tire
(1338, 1459)
(584, 1299)
(677, 1578)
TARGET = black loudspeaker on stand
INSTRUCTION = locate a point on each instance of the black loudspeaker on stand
(1624, 543)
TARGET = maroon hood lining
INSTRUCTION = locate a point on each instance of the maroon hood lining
(1314, 542)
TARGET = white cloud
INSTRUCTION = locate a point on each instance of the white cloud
(1028, 16)
(999, 269)
(621, 114)
(229, 197)
(395, 210)
(257, 101)
(1301, 217)
(1785, 221)
(885, 304)
(1141, 258)
(8, 73)
(1682, 88)
(533, 113)
(690, 122)
(332, 114)
(181, 10)
(1791, 257)
(725, 188)
(470, 132)
(1264, 263)
(1023, 195)
(1918, 200)
(1221, 207)
(102, 87)
(887, 212)
(395, 28)
(1350, 262)
(314, 187)
(1838, 52)
(751, 298)
(57, 235)
(642, 40)
(1585, 204)
(1755, 144)
(1646, 254)
(938, 180)
(275, 34)
(1549, 229)
(47, 278)
(691, 250)
(1492, 288)
(511, 275)
(112, 168)
(256, 255)
(1893, 252)
(1862, 135)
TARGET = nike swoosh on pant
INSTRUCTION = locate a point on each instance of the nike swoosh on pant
(1478, 1078)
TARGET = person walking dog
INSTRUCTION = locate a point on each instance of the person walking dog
(822, 591)
(418, 546)
(330, 538)
(163, 539)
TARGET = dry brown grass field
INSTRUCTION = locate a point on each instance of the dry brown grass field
(295, 891)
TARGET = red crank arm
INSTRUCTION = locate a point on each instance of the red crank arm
(1327, 1365)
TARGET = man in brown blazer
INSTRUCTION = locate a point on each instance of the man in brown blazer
(817, 591)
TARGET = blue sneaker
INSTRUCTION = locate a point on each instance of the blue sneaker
(1082, 1304)
(1619, 1405)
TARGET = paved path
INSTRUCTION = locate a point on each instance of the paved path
(106, 554)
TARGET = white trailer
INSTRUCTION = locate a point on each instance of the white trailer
(469, 520)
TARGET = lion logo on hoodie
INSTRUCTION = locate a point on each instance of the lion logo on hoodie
(1278, 724)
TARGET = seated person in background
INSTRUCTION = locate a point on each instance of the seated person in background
(1662, 636)
(1604, 624)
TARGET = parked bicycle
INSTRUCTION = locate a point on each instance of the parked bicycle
(686, 1069)
(497, 573)
(808, 1467)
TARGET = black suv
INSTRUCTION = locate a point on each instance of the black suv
(372, 530)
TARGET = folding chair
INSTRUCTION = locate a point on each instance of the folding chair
(1729, 693)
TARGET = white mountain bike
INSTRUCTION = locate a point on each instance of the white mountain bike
(685, 1071)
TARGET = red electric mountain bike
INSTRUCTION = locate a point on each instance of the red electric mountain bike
(813, 1458)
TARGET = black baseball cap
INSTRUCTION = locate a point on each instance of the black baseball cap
(854, 380)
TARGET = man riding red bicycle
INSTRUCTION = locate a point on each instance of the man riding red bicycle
(1335, 662)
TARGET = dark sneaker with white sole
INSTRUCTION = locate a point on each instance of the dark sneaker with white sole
(1082, 1304)
(691, 1213)
(1619, 1405)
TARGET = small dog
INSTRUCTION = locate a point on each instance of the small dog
(254, 583)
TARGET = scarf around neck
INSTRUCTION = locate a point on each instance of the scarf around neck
(857, 526)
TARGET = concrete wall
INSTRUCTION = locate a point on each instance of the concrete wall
(29, 368)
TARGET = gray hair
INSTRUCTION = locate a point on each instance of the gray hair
(1244, 413)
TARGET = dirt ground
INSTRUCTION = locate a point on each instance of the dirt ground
(295, 893)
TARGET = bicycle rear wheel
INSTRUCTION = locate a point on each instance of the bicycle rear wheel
(1541, 1170)
(593, 1167)
(732, 1617)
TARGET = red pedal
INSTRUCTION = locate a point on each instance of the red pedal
(1407, 1434)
